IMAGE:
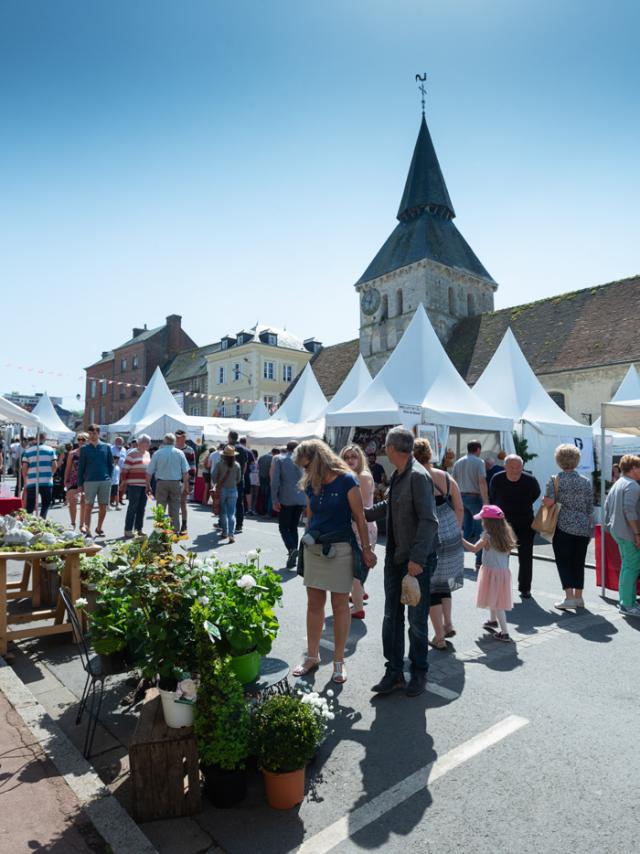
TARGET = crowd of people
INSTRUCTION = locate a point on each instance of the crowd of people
(432, 515)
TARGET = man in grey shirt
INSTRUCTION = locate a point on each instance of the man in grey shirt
(171, 469)
(471, 476)
(288, 500)
(622, 518)
(412, 539)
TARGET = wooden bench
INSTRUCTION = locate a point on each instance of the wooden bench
(165, 774)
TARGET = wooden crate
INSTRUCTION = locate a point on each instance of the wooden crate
(165, 775)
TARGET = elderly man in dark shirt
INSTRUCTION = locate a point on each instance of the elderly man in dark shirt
(412, 539)
(515, 492)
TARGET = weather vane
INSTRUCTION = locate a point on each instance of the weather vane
(422, 80)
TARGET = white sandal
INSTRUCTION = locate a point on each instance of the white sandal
(339, 673)
(311, 662)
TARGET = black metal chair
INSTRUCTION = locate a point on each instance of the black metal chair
(94, 684)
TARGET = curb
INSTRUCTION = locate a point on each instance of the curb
(549, 559)
(113, 823)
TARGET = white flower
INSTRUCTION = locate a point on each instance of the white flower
(246, 582)
(186, 689)
(253, 556)
(191, 592)
(199, 563)
(81, 603)
(330, 716)
(329, 693)
(203, 600)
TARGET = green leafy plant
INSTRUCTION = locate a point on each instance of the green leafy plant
(521, 446)
(240, 609)
(285, 734)
(222, 720)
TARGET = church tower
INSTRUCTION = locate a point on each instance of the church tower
(425, 260)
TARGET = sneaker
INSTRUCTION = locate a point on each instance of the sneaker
(490, 625)
(579, 602)
(238, 530)
(633, 611)
(389, 683)
(417, 684)
(128, 535)
(565, 605)
(502, 636)
(292, 560)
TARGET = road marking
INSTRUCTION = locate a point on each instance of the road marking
(441, 691)
(347, 826)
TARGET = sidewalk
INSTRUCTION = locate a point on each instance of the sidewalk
(38, 810)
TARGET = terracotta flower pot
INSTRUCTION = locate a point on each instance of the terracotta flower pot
(284, 790)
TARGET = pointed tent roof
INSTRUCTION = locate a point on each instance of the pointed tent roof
(51, 422)
(425, 183)
(156, 400)
(628, 390)
(259, 412)
(426, 228)
(511, 385)
(419, 382)
(12, 414)
(305, 403)
(355, 382)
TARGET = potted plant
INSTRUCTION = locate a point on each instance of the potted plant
(286, 732)
(222, 727)
(241, 619)
(92, 571)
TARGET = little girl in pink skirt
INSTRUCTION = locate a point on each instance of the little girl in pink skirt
(494, 580)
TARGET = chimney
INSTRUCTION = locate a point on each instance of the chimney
(174, 334)
(137, 331)
(104, 355)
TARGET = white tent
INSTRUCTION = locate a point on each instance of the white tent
(306, 402)
(621, 442)
(12, 414)
(353, 384)
(51, 422)
(419, 384)
(511, 385)
(155, 402)
(259, 412)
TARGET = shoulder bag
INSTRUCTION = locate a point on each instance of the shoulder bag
(546, 518)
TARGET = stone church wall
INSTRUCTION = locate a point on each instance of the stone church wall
(584, 390)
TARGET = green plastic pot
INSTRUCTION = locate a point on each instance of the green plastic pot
(246, 667)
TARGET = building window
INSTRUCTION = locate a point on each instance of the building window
(287, 373)
(269, 372)
(269, 401)
(384, 314)
(103, 387)
(471, 305)
(122, 392)
(134, 392)
(92, 416)
(224, 344)
(103, 416)
(92, 389)
(223, 411)
(236, 372)
(135, 362)
(399, 302)
(452, 302)
(272, 339)
(222, 375)
(237, 411)
(558, 397)
(123, 366)
(121, 412)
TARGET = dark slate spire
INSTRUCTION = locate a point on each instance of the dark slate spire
(425, 187)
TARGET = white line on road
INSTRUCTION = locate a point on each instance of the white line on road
(347, 826)
(441, 691)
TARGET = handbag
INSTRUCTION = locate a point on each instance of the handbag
(546, 518)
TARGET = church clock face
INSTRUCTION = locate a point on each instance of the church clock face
(370, 301)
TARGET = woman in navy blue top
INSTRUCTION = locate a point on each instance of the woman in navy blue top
(333, 501)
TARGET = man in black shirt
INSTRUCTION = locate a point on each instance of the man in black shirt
(377, 472)
(514, 492)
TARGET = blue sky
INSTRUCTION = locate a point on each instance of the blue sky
(236, 162)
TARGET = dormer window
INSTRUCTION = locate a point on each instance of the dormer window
(224, 344)
(272, 339)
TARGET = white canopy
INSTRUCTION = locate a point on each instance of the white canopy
(622, 416)
(620, 413)
(12, 414)
(259, 412)
(419, 384)
(51, 422)
(353, 384)
(155, 402)
(510, 383)
(306, 401)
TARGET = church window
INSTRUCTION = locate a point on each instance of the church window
(399, 302)
(384, 314)
(452, 302)
(558, 397)
(471, 305)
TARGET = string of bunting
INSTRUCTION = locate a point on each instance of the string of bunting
(194, 394)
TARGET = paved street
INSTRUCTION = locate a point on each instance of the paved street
(520, 748)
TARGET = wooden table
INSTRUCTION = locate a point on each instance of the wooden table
(21, 590)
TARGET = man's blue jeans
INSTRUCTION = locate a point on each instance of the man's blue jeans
(472, 528)
(393, 621)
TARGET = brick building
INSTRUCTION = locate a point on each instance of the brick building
(118, 377)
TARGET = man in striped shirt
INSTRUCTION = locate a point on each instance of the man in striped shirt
(39, 462)
(133, 478)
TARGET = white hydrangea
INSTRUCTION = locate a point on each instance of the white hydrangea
(246, 582)
(203, 600)
(81, 602)
(253, 556)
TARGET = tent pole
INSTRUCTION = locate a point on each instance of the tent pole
(602, 499)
